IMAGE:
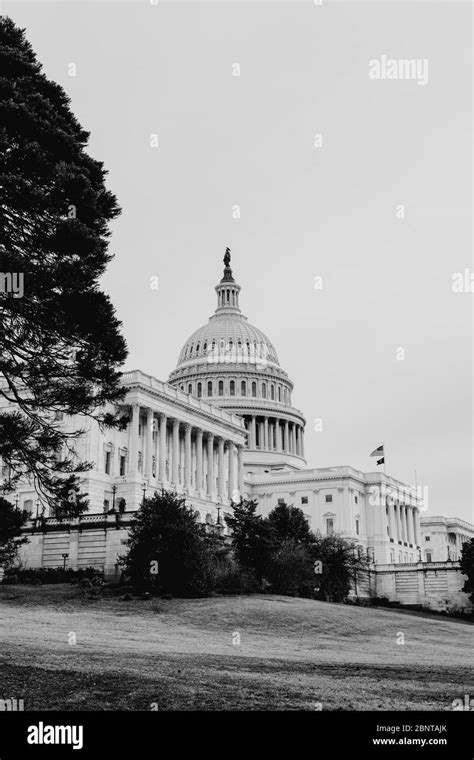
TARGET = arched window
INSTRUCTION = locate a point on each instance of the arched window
(221, 387)
(232, 388)
(28, 506)
(254, 390)
(182, 387)
(199, 390)
(243, 388)
(272, 391)
(209, 388)
(198, 347)
(190, 388)
(227, 296)
(279, 393)
(264, 390)
(204, 348)
(191, 349)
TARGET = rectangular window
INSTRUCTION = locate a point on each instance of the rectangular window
(428, 556)
(281, 501)
(329, 526)
(304, 499)
(107, 462)
(427, 538)
(122, 465)
(356, 499)
(328, 498)
(357, 527)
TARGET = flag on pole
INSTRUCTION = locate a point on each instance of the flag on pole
(379, 452)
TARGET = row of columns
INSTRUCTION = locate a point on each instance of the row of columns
(404, 523)
(273, 436)
(205, 441)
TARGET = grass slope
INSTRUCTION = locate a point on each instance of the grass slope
(294, 654)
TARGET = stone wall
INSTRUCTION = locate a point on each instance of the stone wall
(92, 541)
(436, 585)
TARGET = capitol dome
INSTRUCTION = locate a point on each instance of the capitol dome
(233, 364)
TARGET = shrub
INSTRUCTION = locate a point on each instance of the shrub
(49, 575)
(168, 549)
(290, 569)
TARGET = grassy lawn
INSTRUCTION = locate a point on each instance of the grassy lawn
(233, 653)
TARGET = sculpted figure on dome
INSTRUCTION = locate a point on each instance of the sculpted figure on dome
(227, 257)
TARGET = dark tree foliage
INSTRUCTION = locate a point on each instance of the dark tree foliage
(11, 523)
(251, 538)
(60, 342)
(467, 567)
(289, 523)
(290, 569)
(343, 566)
(165, 531)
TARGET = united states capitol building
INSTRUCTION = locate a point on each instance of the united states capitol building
(223, 426)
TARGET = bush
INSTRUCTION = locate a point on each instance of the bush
(290, 570)
(230, 578)
(168, 550)
(49, 575)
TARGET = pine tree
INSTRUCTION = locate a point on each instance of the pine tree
(60, 341)
(289, 523)
(251, 537)
(11, 523)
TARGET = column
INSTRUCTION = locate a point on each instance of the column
(149, 444)
(187, 456)
(253, 433)
(416, 525)
(162, 456)
(220, 470)
(399, 522)
(392, 518)
(277, 435)
(175, 456)
(297, 440)
(265, 433)
(199, 460)
(210, 463)
(133, 437)
(231, 449)
(293, 438)
(411, 539)
(404, 523)
(286, 445)
(302, 442)
(240, 470)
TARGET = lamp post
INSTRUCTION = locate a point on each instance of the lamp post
(64, 556)
(144, 492)
(219, 514)
(114, 490)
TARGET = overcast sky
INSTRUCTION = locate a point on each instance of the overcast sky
(305, 211)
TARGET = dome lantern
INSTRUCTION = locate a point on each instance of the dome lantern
(227, 290)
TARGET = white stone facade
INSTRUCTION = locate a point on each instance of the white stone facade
(443, 538)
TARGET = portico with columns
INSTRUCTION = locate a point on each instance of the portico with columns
(181, 443)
